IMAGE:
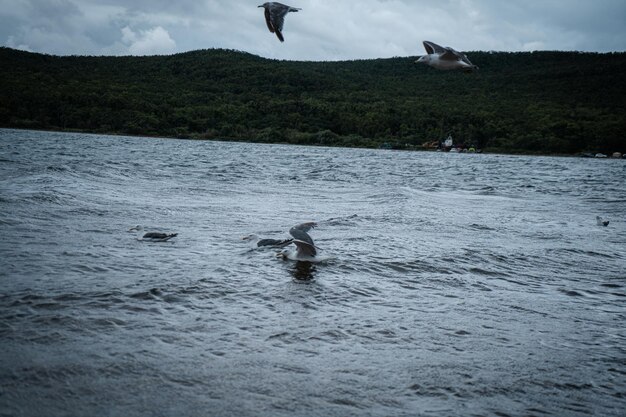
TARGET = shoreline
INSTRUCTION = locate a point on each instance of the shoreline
(518, 103)
(260, 142)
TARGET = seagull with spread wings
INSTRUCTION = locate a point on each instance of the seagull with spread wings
(445, 58)
(275, 17)
(305, 249)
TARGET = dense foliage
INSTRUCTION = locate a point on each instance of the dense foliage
(544, 102)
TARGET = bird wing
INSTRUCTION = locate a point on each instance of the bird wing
(433, 48)
(154, 235)
(162, 237)
(305, 227)
(278, 12)
(450, 54)
(305, 248)
(279, 35)
(274, 242)
(303, 242)
(268, 20)
(461, 56)
(278, 18)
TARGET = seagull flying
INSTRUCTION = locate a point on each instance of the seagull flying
(445, 58)
(152, 236)
(275, 16)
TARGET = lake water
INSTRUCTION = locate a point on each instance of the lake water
(452, 285)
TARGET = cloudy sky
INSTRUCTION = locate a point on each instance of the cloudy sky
(323, 30)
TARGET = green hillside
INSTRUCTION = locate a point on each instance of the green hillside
(544, 102)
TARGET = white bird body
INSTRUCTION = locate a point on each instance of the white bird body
(445, 58)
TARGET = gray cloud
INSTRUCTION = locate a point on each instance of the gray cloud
(323, 30)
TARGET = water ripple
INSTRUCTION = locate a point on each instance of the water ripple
(453, 284)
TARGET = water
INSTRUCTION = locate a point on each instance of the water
(455, 284)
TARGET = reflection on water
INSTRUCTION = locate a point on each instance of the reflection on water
(303, 271)
(459, 284)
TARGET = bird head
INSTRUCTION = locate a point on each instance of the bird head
(250, 237)
(424, 59)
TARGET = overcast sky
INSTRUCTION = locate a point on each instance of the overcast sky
(322, 30)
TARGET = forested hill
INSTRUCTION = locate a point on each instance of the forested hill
(545, 102)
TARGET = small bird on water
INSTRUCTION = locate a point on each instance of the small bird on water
(152, 236)
(601, 222)
(275, 16)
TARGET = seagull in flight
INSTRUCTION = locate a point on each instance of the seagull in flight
(445, 58)
(275, 16)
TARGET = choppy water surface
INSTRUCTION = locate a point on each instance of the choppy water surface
(457, 284)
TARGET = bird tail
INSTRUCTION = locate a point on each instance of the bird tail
(169, 236)
(279, 35)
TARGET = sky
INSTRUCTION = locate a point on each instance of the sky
(324, 30)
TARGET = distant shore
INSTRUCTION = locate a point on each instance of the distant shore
(413, 149)
(532, 103)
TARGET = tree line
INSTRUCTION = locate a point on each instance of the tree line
(532, 102)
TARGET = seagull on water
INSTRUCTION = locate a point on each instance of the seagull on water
(152, 236)
(305, 249)
(445, 58)
(275, 17)
(601, 222)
